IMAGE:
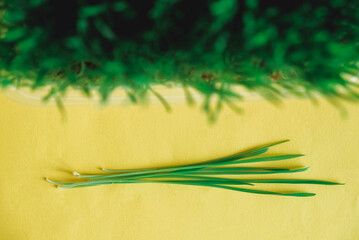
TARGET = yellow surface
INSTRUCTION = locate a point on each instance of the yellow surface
(35, 143)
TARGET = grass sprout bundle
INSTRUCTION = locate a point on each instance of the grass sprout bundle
(210, 46)
(207, 174)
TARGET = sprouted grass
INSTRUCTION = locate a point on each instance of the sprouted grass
(274, 48)
(207, 174)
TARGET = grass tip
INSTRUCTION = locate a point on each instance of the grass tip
(280, 142)
(105, 170)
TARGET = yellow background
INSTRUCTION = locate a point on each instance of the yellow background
(35, 143)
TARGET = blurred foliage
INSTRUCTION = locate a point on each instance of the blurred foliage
(211, 46)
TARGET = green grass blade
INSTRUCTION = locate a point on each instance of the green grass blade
(202, 182)
(241, 169)
(292, 181)
(233, 157)
(269, 159)
(296, 194)
(125, 170)
(181, 176)
(245, 154)
(216, 184)
(161, 99)
(199, 166)
(122, 181)
(57, 183)
(94, 183)
(204, 172)
(195, 165)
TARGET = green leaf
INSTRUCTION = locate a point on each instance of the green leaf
(224, 172)
(92, 11)
(14, 34)
(162, 100)
(120, 6)
(292, 181)
(104, 29)
(296, 194)
(269, 159)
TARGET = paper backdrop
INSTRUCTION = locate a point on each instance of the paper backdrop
(35, 143)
